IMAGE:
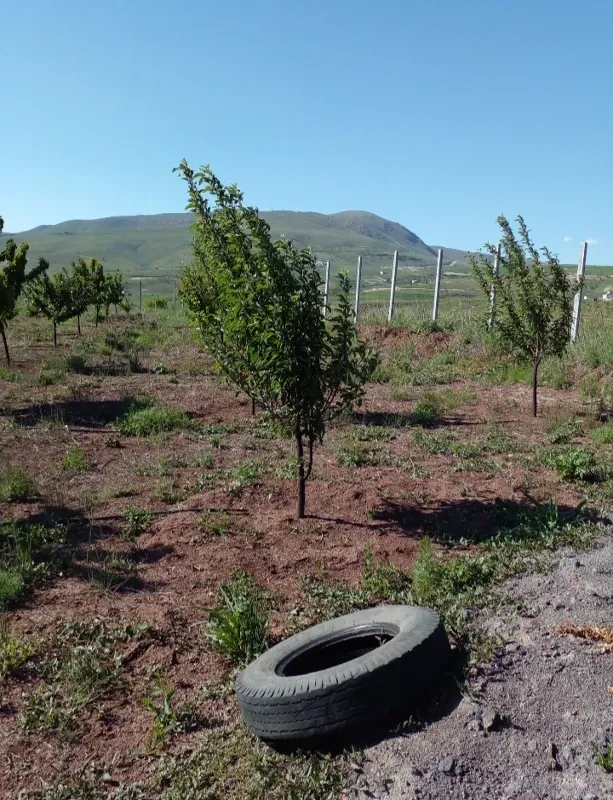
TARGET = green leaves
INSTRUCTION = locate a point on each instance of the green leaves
(13, 277)
(534, 297)
(256, 305)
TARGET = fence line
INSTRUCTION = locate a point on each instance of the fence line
(574, 331)
(490, 321)
(390, 312)
(358, 281)
(437, 284)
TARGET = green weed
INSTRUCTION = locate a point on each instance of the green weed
(576, 463)
(153, 421)
(603, 434)
(168, 719)
(603, 756)
(428, 412)
(289, 470)
(75, 460)
(136, 521)
(15, 486)
(565, 432)
(243, 475)
(14, 652)
(238, 628)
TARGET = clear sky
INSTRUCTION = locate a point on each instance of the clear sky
(438, 114)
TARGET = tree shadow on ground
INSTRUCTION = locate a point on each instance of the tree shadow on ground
(88, 413)
(74, 545)
(392, 419)
(473, 521)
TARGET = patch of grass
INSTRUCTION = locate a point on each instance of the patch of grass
(75, 460)
(114, 492)
(206, 460)
(168, 492)
(258, 772)
(603, 756)
(28, 554)
(11, 586)
(564, 432)
(428, 412)
(136, 521)
(589, 386)
(153, 421)
(576, 463)
(215, 523)
(603, 434)
(14, 652)
(359, 454)
(9, 375)
(243, 475)
(81, 666)
(169, 720)
(238, 627)
(289, 470)
(15, 486)
(110, 572)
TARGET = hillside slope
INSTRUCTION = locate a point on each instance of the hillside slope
(159, 243)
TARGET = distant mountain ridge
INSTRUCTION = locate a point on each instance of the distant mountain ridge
(160, 243)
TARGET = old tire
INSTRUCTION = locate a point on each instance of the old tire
(339, 678)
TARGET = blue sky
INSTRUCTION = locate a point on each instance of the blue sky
(437, 114)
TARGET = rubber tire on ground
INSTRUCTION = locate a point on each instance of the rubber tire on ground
(340, 701)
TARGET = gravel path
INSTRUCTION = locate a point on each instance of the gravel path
(530, 728)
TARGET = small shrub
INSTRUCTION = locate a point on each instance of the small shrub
(428, 411)
(217, 523)
(136, 521)
(15, 486)
(153, 420)
(75, 460)
(576, 464)
(238, 628)
(160, 369)
(206, 459)
(76, 363)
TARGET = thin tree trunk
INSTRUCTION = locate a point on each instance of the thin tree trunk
(6, 347)
(54, 335)
(535, 371)
(301, 479)
(79, 324)
(253, 406)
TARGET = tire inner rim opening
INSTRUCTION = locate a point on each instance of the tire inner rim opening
(336, 649)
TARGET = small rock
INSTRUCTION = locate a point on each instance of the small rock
(513, 647)
(589, 796)
(558, 606)
(475, 725)
(569, 563)
(491, 719)
(514, 787)
(447, 765)
(566, 756)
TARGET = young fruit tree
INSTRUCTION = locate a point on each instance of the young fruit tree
(80, 288)
(534, 298)
(52, 298)
(114, 294)
(13, 278)
(97, 287)
(256, 304)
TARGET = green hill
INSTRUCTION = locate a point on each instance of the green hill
(157, 245)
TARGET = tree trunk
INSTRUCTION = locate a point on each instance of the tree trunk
(6, 347)
(79, 324)
(253, 406)
(54, 335)
(301, 478)
(535, 372)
